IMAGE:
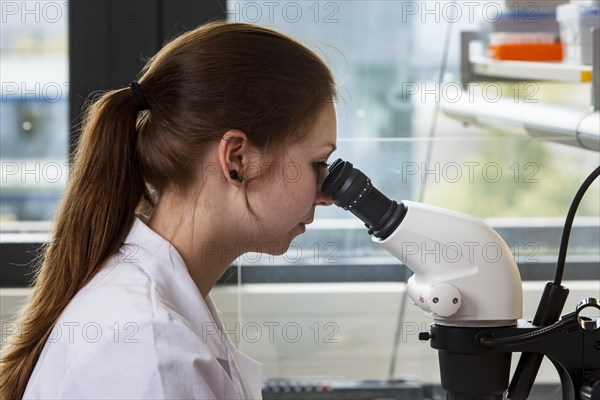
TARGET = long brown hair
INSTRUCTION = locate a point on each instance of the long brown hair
(218, 77)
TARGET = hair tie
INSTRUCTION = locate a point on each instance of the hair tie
(139, 96)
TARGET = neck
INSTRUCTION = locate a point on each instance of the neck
(206, 248)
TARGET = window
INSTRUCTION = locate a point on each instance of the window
(389, 58)
(34, 109)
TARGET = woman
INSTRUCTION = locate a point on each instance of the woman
(221, 148)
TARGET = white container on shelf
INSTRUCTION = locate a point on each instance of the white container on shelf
(535, 4)
(498, 38)
(576, 21)
(523, 20)
(586, 2)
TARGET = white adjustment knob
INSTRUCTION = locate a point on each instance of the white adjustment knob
(443, 299)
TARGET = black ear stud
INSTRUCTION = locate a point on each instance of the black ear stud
(234, 175)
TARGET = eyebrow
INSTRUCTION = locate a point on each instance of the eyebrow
(333, 146)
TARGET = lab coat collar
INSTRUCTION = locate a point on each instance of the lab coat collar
(159, 258)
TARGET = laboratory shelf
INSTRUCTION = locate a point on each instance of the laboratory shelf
(573, 126)
(576, 126)
(528, 70)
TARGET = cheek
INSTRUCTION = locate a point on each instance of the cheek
(294, 204)
(289, 199)
(305, 190)
(305, 195)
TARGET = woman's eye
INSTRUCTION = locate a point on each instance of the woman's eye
(320, 168)
(319, 165)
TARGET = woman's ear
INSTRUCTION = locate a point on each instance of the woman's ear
(233, 155)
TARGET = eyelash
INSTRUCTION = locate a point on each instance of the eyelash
(319, 165)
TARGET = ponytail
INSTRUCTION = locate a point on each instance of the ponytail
(94, 217)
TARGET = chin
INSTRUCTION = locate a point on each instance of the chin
(278, 247)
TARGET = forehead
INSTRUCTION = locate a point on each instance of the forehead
(324, 131)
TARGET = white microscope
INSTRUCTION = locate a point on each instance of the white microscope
(466, 278)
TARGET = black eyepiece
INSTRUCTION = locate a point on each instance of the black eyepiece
(353, 191)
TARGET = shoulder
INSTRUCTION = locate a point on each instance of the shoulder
(117, 289)
(121, 310)
(121, 329)
(158, 357)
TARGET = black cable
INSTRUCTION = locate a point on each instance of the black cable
(562, 254)
(549, 309)
(526, 337)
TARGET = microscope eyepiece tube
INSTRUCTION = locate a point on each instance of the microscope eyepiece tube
(352, 190)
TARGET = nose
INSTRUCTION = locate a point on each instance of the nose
(322, 199)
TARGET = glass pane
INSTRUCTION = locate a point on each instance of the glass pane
(34, 109)
(388, 57)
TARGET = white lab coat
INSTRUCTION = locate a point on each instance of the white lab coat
(141, 330)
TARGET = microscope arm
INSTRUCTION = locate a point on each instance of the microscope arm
(464, 272)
